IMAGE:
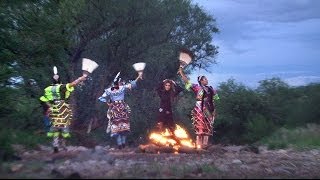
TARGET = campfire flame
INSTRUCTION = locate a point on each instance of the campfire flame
(175, 139)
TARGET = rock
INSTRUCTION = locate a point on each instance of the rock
(250, 148)
(98, 148)
(76, 148)
(282, 151)
(56, 173)
(281, 170)
(263, 149)
(217, 149)
(170, 158)
(315, 152)
(138, 150)
(49, 160)
(92, 162)
(18, 148)
(82, 148)
(83, 156)
(44, 148)
(227, 162)
(131, 163)
(67, 162)
(93, 155)
(232, 148)
(245, 167)
(16, 167)
(8, 156)
(99, 151)
(236, 161)
(74, 175)
(111, 161)
(187, 150)
(268, 170)
(112, 173)
(118, 163)
(197, 170)
(26, 153)
(103, 162)
(223, 167)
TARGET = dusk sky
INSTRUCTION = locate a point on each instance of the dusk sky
(261, 39)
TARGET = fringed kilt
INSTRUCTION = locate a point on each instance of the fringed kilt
(61, 116)
(118, 115)
(202, 120)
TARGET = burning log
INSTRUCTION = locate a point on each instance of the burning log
(188, 150)
(151, 148)
(154, 149)
(176, 141)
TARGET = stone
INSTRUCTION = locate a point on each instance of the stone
(236, 161)
(16, 167)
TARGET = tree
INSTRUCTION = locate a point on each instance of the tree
(36, 35)
(149, 31)
(275, 94)
(235, 109)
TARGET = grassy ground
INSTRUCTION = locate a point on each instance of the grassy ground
(299, 138)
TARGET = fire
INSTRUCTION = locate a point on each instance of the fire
(179, 132)
(179, 137)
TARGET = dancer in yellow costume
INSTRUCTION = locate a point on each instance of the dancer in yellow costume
(55, 97)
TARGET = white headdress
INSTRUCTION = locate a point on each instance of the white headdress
(55, 73)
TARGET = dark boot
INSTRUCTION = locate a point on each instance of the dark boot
(123, 146)
(119, 146)
(63, 144)
(55, 149)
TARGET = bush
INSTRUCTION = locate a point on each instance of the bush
(14, 136)
(258, 127)
(299, 138)
(5, 146)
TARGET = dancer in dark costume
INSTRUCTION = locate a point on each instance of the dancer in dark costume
(167, 90)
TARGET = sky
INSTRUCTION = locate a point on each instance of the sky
(261, 39)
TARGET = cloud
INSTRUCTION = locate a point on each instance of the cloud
(251, 80)
(242, 19)
(262, 10)
(280, 73)
(263, 39)
(306, 31)
(215, 79)
(268, 53)
(302, 80)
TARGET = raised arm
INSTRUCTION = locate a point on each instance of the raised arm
(178, 89)
(104, 96)
(183, 76)
(133, 83)
(139, 77)
(79, 80)
(185, 79)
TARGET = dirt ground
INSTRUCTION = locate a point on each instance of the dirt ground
(217, 161)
